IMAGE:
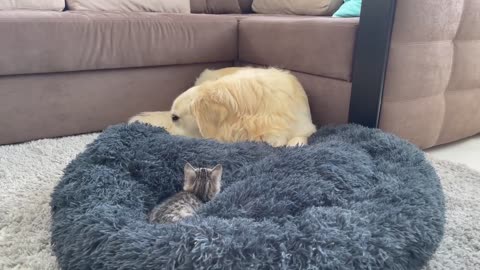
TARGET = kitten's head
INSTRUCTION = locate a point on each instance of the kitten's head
(203, 182)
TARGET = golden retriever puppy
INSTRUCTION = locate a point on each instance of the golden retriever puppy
(242, 104)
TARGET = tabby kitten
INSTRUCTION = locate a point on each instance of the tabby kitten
(200, 186)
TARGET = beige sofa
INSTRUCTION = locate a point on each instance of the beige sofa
(432, 90)
(71, 72)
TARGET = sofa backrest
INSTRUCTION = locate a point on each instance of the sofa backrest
(432, 87)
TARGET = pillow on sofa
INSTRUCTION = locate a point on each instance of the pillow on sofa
(297, 7)
(351, 8)
(58, 5)
(221, 6)
(164, 6)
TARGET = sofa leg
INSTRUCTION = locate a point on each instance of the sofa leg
(370, 61)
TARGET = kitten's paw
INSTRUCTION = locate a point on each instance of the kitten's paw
(297, 142)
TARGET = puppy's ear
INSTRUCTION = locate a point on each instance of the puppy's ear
(210, 109)
(189, 177)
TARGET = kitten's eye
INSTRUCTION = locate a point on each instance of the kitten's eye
(175, 118)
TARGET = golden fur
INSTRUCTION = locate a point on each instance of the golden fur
(240, 104)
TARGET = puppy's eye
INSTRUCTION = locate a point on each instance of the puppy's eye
(175, 118)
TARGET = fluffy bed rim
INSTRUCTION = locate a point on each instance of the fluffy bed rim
(355, 198)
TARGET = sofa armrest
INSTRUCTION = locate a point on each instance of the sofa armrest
(431, 92)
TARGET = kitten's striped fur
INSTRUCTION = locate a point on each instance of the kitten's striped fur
(200, 186)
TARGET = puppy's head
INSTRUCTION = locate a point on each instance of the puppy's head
(202, 110)
(182, 115)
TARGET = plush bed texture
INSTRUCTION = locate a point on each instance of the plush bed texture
(355, 198)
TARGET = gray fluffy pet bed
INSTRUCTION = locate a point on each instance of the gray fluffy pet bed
(355, 198)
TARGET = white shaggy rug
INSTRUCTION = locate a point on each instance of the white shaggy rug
(28, 173)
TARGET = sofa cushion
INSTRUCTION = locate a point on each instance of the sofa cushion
(315, 45)
(42, 42)
(215, 6)
(432, 85)
(221, 6)
(57, 5)
(245, 5)
(164, 6)
(297, 7)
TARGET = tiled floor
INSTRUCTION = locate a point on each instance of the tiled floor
(466, 151)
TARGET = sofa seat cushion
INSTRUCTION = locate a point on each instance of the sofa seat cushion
(315, 45)
(43, 42)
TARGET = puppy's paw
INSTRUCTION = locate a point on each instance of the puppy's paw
(297, 142)
(141, 117)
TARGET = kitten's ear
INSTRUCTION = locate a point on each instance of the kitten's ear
(189, 178)
(217, 177)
